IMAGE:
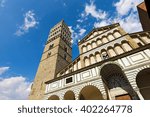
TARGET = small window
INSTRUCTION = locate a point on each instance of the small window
(51, 46)
(49, 54)
(105, 56)
(65, 48)
(68, 80)
(139, 44)
(65, 56)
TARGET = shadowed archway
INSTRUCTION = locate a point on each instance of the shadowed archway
(53, 97)
(69, 95)
(143, 83)
(90, 93)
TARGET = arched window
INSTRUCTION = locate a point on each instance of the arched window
(118, 49)
(84, 49)
(94, 44)
(111, 52)
(104, 55)
(110, 37)
(89, 47)
(98, 57)
(99, 42)
(92, 59)
(86, 61)
(104, 40)
(138, 41)
(117, 34)
(126, 46)
(146, 39)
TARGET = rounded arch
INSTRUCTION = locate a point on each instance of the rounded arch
(126, 46)
(115, 80)
(104, 39)
(118, 49)
(116, 33)
(110, 37)
(69, 95)
(53, 97)
(104, 54)
(92, 59)
(94, 45)
(90, 93)
(111, 51)
(99, 42)
(89, 47)
(86, 61)
(145, 38)
(143, 83)
(98, 57)
(84, 49)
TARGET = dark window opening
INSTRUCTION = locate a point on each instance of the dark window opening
(51, 46)
(105, 56)
(49, 54)
(68, 80)
(139, 44)
(65, 48)
(65, 56)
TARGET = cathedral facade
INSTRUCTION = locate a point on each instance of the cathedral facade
(112, 65)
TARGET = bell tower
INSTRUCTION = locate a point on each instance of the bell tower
(56, 55)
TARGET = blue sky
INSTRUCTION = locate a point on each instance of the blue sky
(25, 25)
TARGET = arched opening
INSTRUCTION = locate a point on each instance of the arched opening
(98, 57)
(146, 39)
(138, 41)
(111, 52)
(53, 97)
(90, 93)
(92, 59)
(94, 44)
(99, 42)
(104, 40)
(126, 46)
(116, 82)
(86, 61)
(89, 47)
(143, 83)
(104, 54)
(118, 49)
(69, 95)
(84, 49)
(110, 37)
(117, 34)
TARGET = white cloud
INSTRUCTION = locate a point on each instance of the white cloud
(29, 22)
(129, 21)
(124, 6)
(82, 31)
(101, 23)
(2, 3)
(90, 9)
(14, 88)
(3, 70)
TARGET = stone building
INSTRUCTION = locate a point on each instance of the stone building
(112, 65)
(144, 14)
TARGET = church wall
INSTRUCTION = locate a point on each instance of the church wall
(130, 65)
